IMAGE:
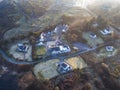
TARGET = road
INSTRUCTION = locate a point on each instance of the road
(11, 60)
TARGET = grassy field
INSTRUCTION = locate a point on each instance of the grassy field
(46, 69)
(76, 62)
(103, 53)
(92, 42)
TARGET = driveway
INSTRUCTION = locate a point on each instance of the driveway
(81, 46)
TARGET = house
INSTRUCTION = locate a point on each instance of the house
(64, 49)
(106, 31)
(55, 50)
(60, 49)
(109, 48)
(61, 28)
(63, 67)
(65, 28)
(92, 35)
(51, 44)
(22, 47)
(39, 44)
(95, 24)
(42, 37)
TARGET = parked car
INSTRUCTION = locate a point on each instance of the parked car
(63, 67)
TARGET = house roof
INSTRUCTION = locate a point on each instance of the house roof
(109, 48)
(55, 49)
(64, 65)
(61, 28)
(22, 47)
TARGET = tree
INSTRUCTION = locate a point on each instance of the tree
(40, 85)
(88, 86)
(102, 22)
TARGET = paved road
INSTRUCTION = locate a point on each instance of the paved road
(11, 60)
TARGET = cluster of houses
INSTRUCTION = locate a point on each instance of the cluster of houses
(104, 32)
(54, 45)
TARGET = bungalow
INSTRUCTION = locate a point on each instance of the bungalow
(60, 49)
(92, 35)
(109, 48)
(61, 28)
(64, 49)
(51, 44)
(95, 24)
(42, 37)
(55, 50)
(106, 31)
(39, 44)
(22, 47)
(63, 67)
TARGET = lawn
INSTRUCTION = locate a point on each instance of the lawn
(40, 50)
(20, 55)
(103, 53)
(92, 42)
(46, 69)
(76, 62)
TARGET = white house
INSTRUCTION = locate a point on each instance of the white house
(22, 48)
(109, 48)
(61, 28)
(106, 31)
(61, 49)
(40, 43)
(92, 35)
(64, 49)
(42, 36)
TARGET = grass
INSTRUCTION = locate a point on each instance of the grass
(92, 42)
(76, 62)
(103, 53)
(46, 69)
(40, 50)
